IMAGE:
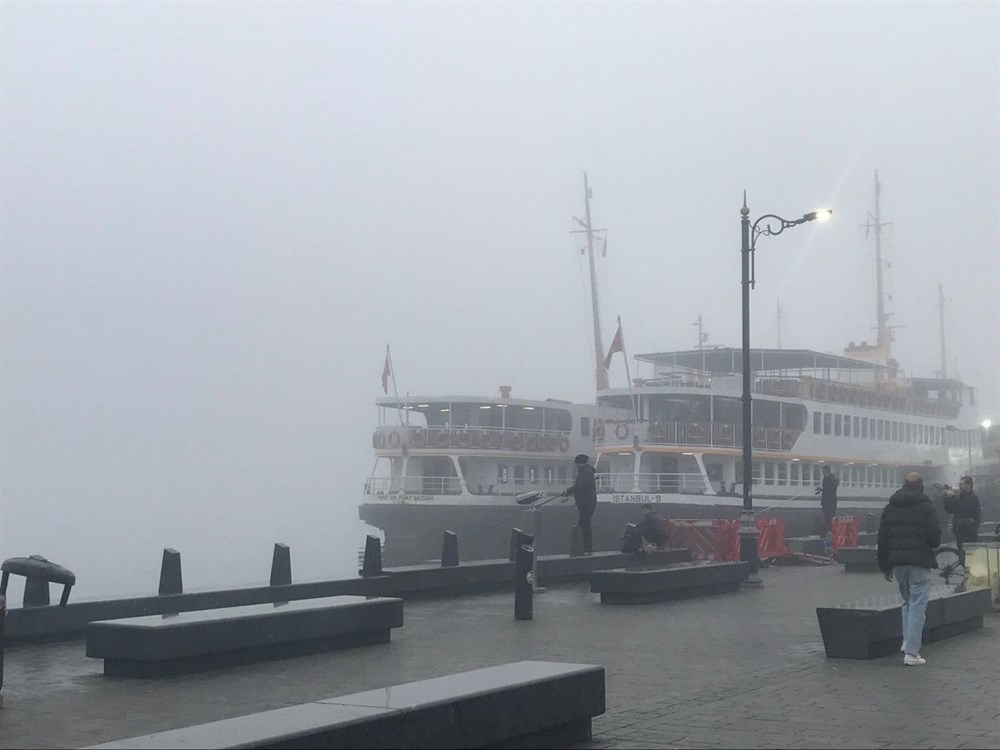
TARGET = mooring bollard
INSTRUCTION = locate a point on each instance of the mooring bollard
(517, 539)
(281, 565)
(38, 573)
(170, 573)
(449, 550)
(575, 541)
(524, 579)
(372, 565)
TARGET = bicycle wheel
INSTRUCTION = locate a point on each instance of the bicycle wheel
(950, 566)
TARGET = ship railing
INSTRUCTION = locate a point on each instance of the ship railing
(414, 485)
(696, 434)
(472, 438)
(673, 483)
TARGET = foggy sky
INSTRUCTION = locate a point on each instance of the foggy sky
(216, 215)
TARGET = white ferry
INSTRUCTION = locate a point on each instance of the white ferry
(458, 463)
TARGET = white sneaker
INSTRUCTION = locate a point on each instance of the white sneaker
(914, 660)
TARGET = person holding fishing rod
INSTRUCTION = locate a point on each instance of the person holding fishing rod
(584, 493)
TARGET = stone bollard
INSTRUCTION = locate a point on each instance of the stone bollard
(575, 541)
(170, 573)
(449, 550)
(372, 565)
(524, 580)
(281, 565)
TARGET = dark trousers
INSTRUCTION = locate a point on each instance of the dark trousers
(586, 512)
(829, 511)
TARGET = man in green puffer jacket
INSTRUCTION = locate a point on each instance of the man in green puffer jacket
(907, 537)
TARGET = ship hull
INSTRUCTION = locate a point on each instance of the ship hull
(414, 532)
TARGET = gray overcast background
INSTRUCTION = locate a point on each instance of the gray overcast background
(216, 215)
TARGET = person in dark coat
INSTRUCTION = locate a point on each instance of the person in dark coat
(908, 534)
(828, 499)
(584, 493)
(966, 513)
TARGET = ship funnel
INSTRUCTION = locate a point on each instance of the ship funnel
(505, 391)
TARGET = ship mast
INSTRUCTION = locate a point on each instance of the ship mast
(588, 229)
(884, 339)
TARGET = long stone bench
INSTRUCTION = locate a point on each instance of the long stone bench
(523, 704)
(662, 583)
(873, 628)
(168, 644)
(858, 559)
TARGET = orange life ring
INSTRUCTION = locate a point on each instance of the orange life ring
(379, 441)
(621, 431)
(394, 439)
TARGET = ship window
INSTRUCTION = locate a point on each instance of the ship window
(838, 424)
(549, 474)
(518, 474)
(558, 419)
(782, 473)
(847, 425)
(757, 478)
(881, 429)
(768, 472)
(585, 426)
(794, 416)
(864, 427)
(817, 422)
(794, 473)
(827, 423)
(817, 473)
(502, 474)
(909, 432)
(895, 431)
(533, 475)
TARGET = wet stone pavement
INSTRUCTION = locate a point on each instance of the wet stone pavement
(733, 670)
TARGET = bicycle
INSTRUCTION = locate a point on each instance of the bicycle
(951, 566)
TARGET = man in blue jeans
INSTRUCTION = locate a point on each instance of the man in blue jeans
(907, 537)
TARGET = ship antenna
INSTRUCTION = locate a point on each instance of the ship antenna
(588, 229)
(944, 361)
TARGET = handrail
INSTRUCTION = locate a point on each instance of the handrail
(463, 438)
(702, 434)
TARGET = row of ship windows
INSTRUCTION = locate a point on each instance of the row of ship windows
(825, 423)
(532, 474)
(801, 473)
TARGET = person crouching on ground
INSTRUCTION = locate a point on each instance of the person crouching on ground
(908, 534)
(584, 493)
(653, 529)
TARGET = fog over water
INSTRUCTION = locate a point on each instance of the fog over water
(215, 216)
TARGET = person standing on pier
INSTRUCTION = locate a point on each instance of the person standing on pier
(966, 512)
(584, 493)
(828, 499)
(907, 537)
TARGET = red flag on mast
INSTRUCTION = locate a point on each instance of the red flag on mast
(386, 371)
(617, 345)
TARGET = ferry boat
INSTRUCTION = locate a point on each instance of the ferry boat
(674, 439)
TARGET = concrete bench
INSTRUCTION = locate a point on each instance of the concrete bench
(523, 704)
(168, 644)
(663, 583)
(858, 559)
(873, 628)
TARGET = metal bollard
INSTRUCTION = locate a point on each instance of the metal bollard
(373, 558)
(281, 565)
(524, 579)
(449, 550)
(170, 573)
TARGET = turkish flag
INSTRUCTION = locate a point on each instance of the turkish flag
(386, 371)
(617, 345)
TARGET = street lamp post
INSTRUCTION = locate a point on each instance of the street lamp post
(769, 225)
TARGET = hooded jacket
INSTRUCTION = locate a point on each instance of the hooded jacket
(909, 531)
(584, 489)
